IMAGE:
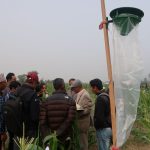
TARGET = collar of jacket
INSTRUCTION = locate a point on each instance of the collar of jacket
(59, 91)
(101, 91)
(12, 96)
(26, 85)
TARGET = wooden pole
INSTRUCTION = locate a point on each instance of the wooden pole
(109, 67)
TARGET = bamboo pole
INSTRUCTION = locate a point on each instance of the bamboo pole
(109, 67)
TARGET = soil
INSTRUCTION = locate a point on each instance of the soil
(137, 147)
(130, 146)
(94, 147)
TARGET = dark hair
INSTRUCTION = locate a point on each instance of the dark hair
(72, 79)
(38, 87)
(9, 76)
(58, 83)
(14, 84)
(96, 82)
(42, 84)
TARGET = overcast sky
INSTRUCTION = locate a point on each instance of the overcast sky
(60, 38)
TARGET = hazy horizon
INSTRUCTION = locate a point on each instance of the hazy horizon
(61, 38)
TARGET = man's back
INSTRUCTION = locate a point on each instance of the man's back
(60, 110)
(102, 117)
(30, 109)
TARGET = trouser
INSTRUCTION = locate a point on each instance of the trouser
(84, 140)
(11, 141)
(66, 145)
(15, 146)
(104, 138)
(0, 144)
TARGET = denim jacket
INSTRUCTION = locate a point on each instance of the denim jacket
(2, 123)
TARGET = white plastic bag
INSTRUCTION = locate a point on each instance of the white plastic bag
(127, 75)
(47, 148)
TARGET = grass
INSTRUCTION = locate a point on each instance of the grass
(140, 135)
(141, 130)
(25, 143)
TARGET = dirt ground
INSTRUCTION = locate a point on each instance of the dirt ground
(94, 147)
(130, 146)
(137, 147)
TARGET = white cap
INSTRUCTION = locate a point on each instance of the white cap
(76, 83)
(2, 78)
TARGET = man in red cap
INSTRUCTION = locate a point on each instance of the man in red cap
(30, 104)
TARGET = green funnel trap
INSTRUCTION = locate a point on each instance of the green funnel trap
(126, 18)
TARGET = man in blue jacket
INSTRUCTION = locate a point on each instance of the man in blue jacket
(3, 135)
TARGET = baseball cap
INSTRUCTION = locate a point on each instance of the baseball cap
(32, 77)
(76, 83)
(2, 77)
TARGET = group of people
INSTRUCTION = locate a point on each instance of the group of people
(58, 111)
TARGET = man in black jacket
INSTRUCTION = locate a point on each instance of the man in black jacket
(58, 112)
(30, 104)
(102, 116)
(13, 86)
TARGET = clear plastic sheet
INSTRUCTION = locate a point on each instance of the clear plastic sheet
(127, 74)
